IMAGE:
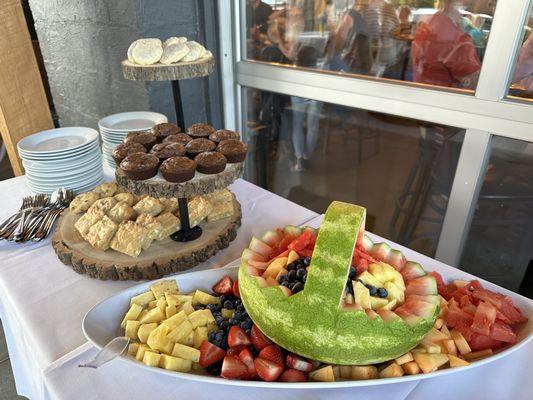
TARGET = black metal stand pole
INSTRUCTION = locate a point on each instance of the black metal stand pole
(180, 119)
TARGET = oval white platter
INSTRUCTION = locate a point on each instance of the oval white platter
(102, 323)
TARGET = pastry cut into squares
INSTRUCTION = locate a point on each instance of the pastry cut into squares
(169, 223)
(219, 196)
(149, 205)
(101, 233)
(107, 189)
(87, 220)
(105, 204)
(170, 204)
(130, 238)
(82, 202)
(155, 228)
(122, 212)
(220, 211)
(127, 198)
(199, 209)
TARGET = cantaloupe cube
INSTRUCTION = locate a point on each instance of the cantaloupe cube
(132, 314)
(392, 371)
(167, 286)
(475, 355)
(346, 371)
(200, 334)
(448, 346)
(132, 349)
(144, 331)
(460, 342)
(438, 323)
(153, 315)
(186, 352)
(407, 357)
(151, 359)
(175, 363)
(336, 371)
(431, 348)
(180, 332)
(457, 362)
(362, 372)
(434, 336)
(142, 299)
(430, 362)
(411, 368)
(324, 374)
(131, 329)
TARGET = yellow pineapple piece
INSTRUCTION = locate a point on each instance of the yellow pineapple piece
(208, 316)
(431, 348)
(168, 286)
(444, 329)
(198, 318)
(131, 329)
(180, 332)
(153, 315)
(457, 362)
(188, 340)
(142, 299)
(175, 320)
(200, 334)
(132, 349)
(175, 364)
(430, 362)
(187, 307)
(434, 336)
(140, 351)
(407, 357)
(162, 304)
(362, 372)
(144, 331)
(151, 359)
(392, 371)
(438, 323)
(211, 327)
(170, 311)
(186, 352)
(203, 298)
(157, 340)
(152, 304)
(411, 368)
(132, 314)
(293, 256)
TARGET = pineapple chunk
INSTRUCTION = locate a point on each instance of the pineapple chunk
(151, 359)
(170, 311)
(196, 367)
(274, 267)
(140, 351)
(208, 316)
(211, 327)
(376, 302)
(132, 349)
(363, 372)
(177, 299)
(186, 352)
(407, 357)
(448, 346)
(390, 305)
(369, 279)
(131, 329)
(142, 299)
(392, 371)
(457, 362)
(394, 292)
(349, 299)
(157, 340)
(162, 304)
(361, 294)
(132, 314)
(200, 334)
(144, 331)
(411, 368)
(160, 288)
(444, 329)
(154, 315)
(478, 354)
(187, 307)
(226, 313)
(430, 362)
(293, 256)
(188, 340)
(180, 332)
(198, 318)
(203, 298)
(175, 364)
(460, 342)
(175, 320)
(152, 304)
(324, 374)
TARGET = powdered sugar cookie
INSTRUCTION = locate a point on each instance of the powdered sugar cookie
(147, 51)
(173, 53)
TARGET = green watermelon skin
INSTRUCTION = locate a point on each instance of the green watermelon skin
(310, 323)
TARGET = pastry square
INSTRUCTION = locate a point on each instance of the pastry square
(105, 204)
(87, 220)
(220, 211)
(199, 209)
(170, 224)
(122, 212)
(130, 238)
(219, 196)
(82, 202)
(101, 233)
(170, 204)
(155, 228)
(149, 205)
(107, 189)
(126, 198)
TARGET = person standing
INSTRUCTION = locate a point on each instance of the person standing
(258, 13)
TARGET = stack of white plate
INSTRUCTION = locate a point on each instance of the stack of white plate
(64, 157)
(114, 128)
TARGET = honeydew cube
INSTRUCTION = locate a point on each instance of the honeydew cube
(376, 302)
(203, 298)
(186, 352)
(140, 351)
(131, 329)
(162, 304)
(187, 307)
(363, 372)
(142, 299)
(144, 331)
(180, 332)
(324, 374)
(153, 315)
(392, 371)
(160, 288)
(157, 340)
(151, 359)
(361, 294)
(200, 334)
(411, 368)
(460, 342)
(394, 292)
(430, 362)
(369, 279)
(175, 364)
(175, 320)
(197, 318)
(133, 348)
(292, 257)
(457, 362)
(407, 357)
(132, 314)
(170, 311)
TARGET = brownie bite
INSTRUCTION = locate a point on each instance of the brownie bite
(210, 162)
(167, 150)
(200, 131)
(145, 138)
(197, 146)
(178, 169)
(224, 134)
(125, 149)
(182, 138)
(140, 166)
(234, 150)
(161, 131)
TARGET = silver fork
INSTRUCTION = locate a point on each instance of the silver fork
(6, 226)
(39, 202)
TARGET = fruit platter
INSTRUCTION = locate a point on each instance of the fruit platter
(315, 307)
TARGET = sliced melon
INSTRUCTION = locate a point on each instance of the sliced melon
(396, 259)
(324, 374)
(291, 230)
(380, 251)
(275, 266)
(422, 286)
(387, 315)
(394, 292)
(293, 256)
(272, 238)
(343, 336)
(258, 264)
(412, 270)
(248, 254)
(367, 242)
(430, 362)
(260, 247)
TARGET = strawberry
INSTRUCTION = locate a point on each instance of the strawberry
(224, 286)
(236, 289)
(234, 351)
(272, 353)
(233, 368)
(210, 354)
(267, 370)
(293, 375)
(237, 337)
(299, 363)
(246, 357)
(259, 340)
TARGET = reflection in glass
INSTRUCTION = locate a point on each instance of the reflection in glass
(313, 153)
(522, 80)
(431, 42)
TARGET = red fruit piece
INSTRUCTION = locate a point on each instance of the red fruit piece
(246, 357)
(259, 340)
(299, 363)
(233, 368)
(484, 318)
(224, 286)
(293, 375)
(272, 353)
(210, 354)
(502, 332)
(235, 289)
(482, 342)
(237, 337)
(235, 351)
(301, 242)
(305, 253)
(267, 370)
(441, 286)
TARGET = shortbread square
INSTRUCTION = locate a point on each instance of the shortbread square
(126, 198)
(101, 233)
(170, 204)
(219, 196)
(220, 211)
(105, 204)
(87, 220)
(155, 228)
(130, 238)
(82, 202)
(107, 189)
(170, 224)
(122, 212)
(199, 209)
(149, 205)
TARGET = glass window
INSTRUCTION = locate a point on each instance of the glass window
(423, 41)
(499, 246)
(312, 153)
(522, 78)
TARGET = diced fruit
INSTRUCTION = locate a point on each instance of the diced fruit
(286, 291)
(144, 331)
(299, 363)
(151, 359)
(396, 259)
(237, 337)
(430, 362)
(246, 357)
(376, 302)
(394, 292)
(261, 281)
(457, 362)
(267, 370)
(260, 265)
(142, 299)
(235, 289)
(271, 281)
(180, 332)
(224, 286)
(460, 342)
(272, 238)
(141, 350)
(380, 250)
(157, 340)
(478, 354)
(175, 363)
(387, 315)
(200, 297)
(408, 318)
(293, 375)
(363, 372)
(248, 254)
(235, 351)
(421, 308)
(131, 329)
(371, 314)
(502, 332)
(448, 346)
(482, 342)
(186, 352)
(252, 271)
(132, 348)
(292, 231)
(422, 286)
(132, 314)
(412, 270)
(200, 334)
(484, 318)
(411, 368)
(431, 347)
(324, 374)
(260, 247)
(258, 339)
(272, 353)
(301, 242)
(361, 294)
(382, 272)
(434, 336)
(392, 371)
(293, 256)
(369, 279)
(233, 368)
(407, 357)
(226, 313)
(274, 267)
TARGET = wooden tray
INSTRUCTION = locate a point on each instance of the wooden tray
(162, 257)
(170, 72)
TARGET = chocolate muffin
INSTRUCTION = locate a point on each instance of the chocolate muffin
(142, 137)
(224, 134)
(161, 131)
(234, 150)
(167, 150)
(182, 138)
(197, 146)
(140, 166)
(210, 162)
(200, 131)
(178, 169)
(125, 149)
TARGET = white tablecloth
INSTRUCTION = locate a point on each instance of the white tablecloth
(42, 301)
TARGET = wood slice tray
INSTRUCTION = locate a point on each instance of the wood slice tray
(162, 257)
(170, 72)
(198, 186)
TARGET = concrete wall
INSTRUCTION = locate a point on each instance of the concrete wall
(83, 42)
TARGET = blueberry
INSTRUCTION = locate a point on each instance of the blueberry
(224, 325)
(198, 307)
(223, 299)
(283, 278)
(228, 304)
(382, 293)
(218, 336)
(304, 278)
(351, 276)
(238, 302)
(372, 290)
(237, 315)
(211, 307)
(219, 319)
(300, 273)
(212, 336)
(291, 286)
(246, 325)
(306, 261)
(292, 275)
(291, 266)
(240, 307)
(298, 287)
